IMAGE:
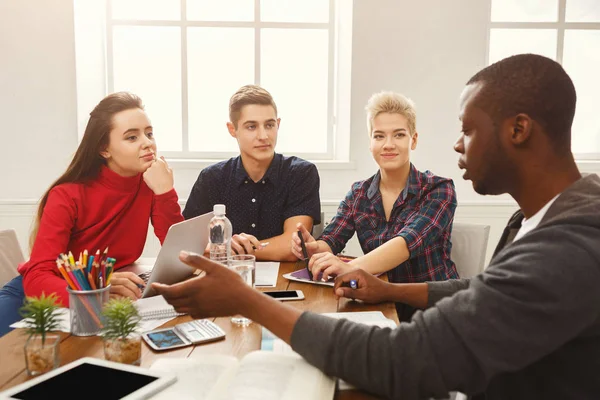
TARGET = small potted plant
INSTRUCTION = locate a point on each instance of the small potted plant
(41, 316)
(122, 341)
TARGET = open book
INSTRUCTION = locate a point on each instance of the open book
(270, 342)
(258, 376)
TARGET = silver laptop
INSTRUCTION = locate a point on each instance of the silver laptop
(190, 235)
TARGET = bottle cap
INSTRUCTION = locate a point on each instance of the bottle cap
(219, 209)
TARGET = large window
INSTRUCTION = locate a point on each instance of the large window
(185, 58)
(567, 31)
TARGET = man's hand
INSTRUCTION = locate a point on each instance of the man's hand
(126, 284)
(245, 244)
(220, 292)
(310, 243)
(159, 177)
(328, 264)
(370, 288)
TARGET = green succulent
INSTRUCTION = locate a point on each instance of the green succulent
(41, 315)
(121, 318)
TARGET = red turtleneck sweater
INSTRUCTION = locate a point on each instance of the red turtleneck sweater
(110, 211)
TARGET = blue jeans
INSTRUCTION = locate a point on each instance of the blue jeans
(12, 297)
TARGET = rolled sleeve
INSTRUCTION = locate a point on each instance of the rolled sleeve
(431, 220)
(342, 227)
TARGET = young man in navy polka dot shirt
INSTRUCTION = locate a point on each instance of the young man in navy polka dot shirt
(265, 193)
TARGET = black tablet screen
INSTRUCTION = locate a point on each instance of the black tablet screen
(87, 381)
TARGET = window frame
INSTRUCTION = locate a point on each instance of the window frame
(337, 143)
(561, 25)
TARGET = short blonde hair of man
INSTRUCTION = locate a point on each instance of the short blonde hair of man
(246, 95)
(393, 103)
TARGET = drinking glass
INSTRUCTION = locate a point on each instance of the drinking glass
(245, 266)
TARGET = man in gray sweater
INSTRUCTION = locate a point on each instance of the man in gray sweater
(526, 328)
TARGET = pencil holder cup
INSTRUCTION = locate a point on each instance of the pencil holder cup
(86, 310)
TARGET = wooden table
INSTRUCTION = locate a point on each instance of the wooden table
(238, 342)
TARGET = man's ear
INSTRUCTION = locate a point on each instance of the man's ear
(414, 140)
(231, 129)
(278, 122)
(521, 129)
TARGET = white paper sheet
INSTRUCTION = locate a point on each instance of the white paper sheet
(371, 318)
(266, 274)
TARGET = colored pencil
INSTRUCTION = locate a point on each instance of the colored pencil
(73, 278)
(91, 281)
(85, 258)
(63, 272)
(89, 264)
(71, 259)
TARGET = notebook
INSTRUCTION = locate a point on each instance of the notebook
(155, 308)
(147, 324)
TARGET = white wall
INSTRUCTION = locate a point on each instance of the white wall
(426, 50)
(37, 95)
(37, 103)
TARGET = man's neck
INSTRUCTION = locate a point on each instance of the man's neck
(256, 169)
(542, 184)
(394, 180)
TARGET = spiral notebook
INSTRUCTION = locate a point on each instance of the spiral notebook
(155, 307)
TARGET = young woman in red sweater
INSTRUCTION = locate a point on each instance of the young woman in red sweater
(113, 187)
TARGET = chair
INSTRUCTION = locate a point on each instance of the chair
(318, 229)
(469, 245)
(10, 256)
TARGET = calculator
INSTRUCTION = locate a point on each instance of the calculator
(185, 334)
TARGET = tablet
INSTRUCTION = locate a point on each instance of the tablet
(93, 377)
(302, 276)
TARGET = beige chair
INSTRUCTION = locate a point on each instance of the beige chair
(10, 256)
(469, 245)
(318, 229)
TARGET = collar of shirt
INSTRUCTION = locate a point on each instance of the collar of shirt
(529, 224)
(271, 176)
(413, 185)
(112, 180)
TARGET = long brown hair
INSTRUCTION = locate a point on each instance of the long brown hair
(87, 161)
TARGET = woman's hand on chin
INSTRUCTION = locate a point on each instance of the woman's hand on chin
(159, 177)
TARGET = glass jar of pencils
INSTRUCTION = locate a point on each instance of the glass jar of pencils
(86, 310)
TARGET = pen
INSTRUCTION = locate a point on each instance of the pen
(305, 254)
(262, 246)
(351, 284)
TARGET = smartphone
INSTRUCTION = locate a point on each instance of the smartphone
(185, 334)
(283, 295)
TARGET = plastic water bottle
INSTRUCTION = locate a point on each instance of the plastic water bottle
(219, 235)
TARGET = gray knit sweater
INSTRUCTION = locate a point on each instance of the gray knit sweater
(527, 328)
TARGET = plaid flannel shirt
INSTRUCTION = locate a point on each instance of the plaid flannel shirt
(422, 215)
